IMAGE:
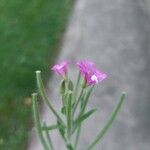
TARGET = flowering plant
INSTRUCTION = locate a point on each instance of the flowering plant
(74, 103)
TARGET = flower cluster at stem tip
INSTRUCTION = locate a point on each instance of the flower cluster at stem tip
(61, 68)
(87, 69)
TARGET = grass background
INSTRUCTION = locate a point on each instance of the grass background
(30, 33)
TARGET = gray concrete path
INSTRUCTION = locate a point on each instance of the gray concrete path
(115, 34)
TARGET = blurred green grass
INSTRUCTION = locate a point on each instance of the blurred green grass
(30, 33)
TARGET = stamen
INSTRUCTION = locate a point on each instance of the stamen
(94, 78)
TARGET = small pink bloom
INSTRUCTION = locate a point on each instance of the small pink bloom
(90, 73)
(61, 68)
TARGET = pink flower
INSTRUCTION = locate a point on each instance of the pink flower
(61, 68)
(90, 73)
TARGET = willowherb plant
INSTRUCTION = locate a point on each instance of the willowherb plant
(74, 103)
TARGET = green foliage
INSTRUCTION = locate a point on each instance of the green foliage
(29, 34)
(52, 127)
(84, 116)
(67, 128)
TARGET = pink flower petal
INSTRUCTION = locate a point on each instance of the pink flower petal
(90, 73)
(61, 68)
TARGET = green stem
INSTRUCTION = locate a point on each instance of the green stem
(67, 143)
(44, 96)
(37, 121)
(77, 137)
(76, 88)
(79, 127)
(77, 103)
(48, 137)
(69, 115)
(86, 101)
(52, 127)
(108, 123)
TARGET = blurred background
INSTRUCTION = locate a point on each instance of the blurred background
(114, 34)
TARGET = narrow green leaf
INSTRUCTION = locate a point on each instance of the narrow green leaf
(48, 136)
(84, 116)
(86, 98)
(108, 123)
(77, 136)
(69, 113)
(63, 110)
(52, 127)
(62, 133)
(61, 130)
(76, 88)
(83, 100)
(44, 96)
(78, 101)
(37, 121)
(79, 120)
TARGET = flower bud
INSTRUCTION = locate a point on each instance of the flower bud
(70, 85)
(62, 87)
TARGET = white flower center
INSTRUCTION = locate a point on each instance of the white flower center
(59, 66)
(94, 78)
